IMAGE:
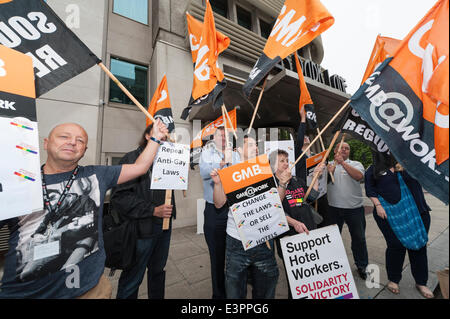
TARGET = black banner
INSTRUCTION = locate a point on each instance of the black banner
(165, 115)
(259, 72)
(13, 105)
(215, 97)
(394, 112)
(33, 28)
(311, 117)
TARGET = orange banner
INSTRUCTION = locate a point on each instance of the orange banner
(422, 60)
(212, 127)
(245, 174)
(298, 24)
(16, 73)
(384, 47)
(159, 102)
(207, 72)
(305, 97)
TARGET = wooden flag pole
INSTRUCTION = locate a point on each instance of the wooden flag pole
(231, 123)
(124, 89)
(321, 140)
(316, 176)
(168, 201)
(321, 132)
(257, 106)
(227, 139)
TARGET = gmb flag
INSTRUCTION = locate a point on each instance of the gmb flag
(298, 24)
(209, 81)
(34, 29)
(404, 103)
(160, 106)
(305, 99)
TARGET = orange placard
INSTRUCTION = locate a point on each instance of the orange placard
(16, 73)
(245, 174)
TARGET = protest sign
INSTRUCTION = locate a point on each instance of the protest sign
(171, 167)
(20, 174)
(254, 201)
(311, 163)
(317, 265)
(287, 145)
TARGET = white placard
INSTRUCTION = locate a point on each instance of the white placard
(287, 145)
(311, 164)
(317, 265)
(171, 167)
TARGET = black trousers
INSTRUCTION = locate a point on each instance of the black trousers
(395, 253)
(215, 231)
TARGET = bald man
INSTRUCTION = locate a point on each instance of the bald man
(59, 252)
(345, 200)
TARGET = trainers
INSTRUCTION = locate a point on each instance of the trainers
(362, 273)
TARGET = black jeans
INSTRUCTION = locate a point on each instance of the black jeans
(356, 222)
(215, 231)
(395, 253)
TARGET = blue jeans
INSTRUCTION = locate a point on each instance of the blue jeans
(151, 253)
(263, 267)
(356, 222)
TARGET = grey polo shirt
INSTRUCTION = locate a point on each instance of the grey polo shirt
(345, 192)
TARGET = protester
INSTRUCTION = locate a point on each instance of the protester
(345, 200)
(146, 208)
(215, 219)
(59, 252)
(258, 262)
(298, 212)
(396, 195)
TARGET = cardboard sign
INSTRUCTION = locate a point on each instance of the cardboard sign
(171, 167)
(317, 265)
(254, 201)
(20, 173)
(311, 164)
(288, 146)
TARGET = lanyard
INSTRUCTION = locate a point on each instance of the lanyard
(55, 210)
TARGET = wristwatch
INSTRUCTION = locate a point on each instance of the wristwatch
(155, 140)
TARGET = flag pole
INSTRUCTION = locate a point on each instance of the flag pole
(124, 89)
(229, 121)
(321, 132)
(168, 201)
(257, 106)
(316, 176)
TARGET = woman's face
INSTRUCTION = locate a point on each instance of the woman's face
(282, 163)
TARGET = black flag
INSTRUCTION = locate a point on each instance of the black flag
(33, 28)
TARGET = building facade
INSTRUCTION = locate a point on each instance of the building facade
(140, 41)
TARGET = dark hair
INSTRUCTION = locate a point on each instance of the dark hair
(241, 140)
(143, 142)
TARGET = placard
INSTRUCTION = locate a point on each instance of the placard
(311, 164)
(20, 173)
(171, 167)
(287, 145)
(254, 201)
(317, 265)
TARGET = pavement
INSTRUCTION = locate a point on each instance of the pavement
(188, 266)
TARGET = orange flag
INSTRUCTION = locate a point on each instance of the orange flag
(207, 72)
(160, 106)
(384, 47)
(422, 60)
(195, 29)
(298, 24)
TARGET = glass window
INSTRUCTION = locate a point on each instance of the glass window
(133, 77)
(220, 7)
(266, 28)
(134, 9)
(244, 18)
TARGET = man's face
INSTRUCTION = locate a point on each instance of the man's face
(282, 163)
(67, 143)
(219, 139)
(250, 148)
(345, 151)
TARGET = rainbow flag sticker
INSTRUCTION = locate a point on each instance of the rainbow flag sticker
(241, 224)
(248, 243)
(26, 149)
(182, 179)
(277, 205)
(235, 208)
(157, 179)
(24, 176)
(21, 126)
